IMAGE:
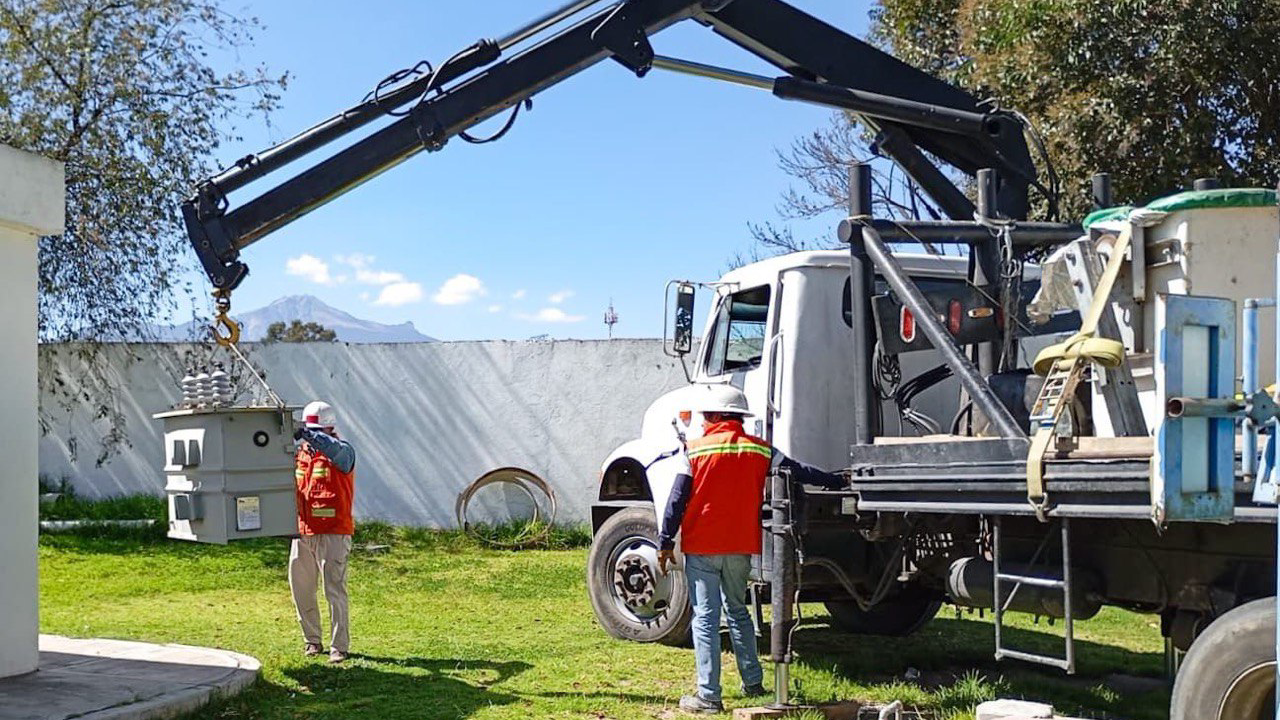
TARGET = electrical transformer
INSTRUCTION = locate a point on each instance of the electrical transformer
(229, 473)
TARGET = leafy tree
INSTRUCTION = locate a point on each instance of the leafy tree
(1155, 92)
(298, 331)
(124, 93)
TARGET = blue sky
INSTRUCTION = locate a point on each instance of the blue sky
(611, 186)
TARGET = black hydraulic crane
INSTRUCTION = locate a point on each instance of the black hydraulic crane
(917, 117)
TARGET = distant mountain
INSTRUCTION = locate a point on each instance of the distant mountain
(306, 308)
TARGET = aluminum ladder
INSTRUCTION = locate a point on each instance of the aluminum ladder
(999, 578)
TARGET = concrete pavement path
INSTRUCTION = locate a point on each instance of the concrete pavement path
(121, 680)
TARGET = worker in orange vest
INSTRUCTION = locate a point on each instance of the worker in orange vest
(325, 477)
(715, 506)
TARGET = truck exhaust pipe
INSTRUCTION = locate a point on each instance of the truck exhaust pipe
(971, 580)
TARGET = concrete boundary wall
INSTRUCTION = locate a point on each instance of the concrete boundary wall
(426, 419)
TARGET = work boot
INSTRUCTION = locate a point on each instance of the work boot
(337, 657)
(754, 691)
(312, 649)
(694, 704)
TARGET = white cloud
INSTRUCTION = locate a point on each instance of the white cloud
(400, 293)
(365, 273)
(559, 297)
(355, 259)
(378, 277)
(309, 267)
(495, 308)
(552, 315)
(459, 290)
(518, 295)
(365, 296)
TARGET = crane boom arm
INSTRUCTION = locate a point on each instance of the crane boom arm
(913, 111)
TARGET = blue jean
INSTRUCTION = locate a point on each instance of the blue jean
(715, 580)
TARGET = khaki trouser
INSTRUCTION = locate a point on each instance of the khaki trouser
(312, 556)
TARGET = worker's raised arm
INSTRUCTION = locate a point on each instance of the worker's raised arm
(340, 452)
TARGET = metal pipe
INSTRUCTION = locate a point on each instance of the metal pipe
(1204, 407)
(1249, 381)
(482, 53)
(261, 164)
(861, 288)
(886, 107)
(1025, 234)
(1101, 186)
(984, 398)
(536, 26)
(1069, 620)
(996, 600)
(781, 586)
(988, 183)
(688, 67)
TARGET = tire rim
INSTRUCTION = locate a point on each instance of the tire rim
(639, 590)
(1252, 695)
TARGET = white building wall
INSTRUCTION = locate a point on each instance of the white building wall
(426, 419)
(32, 198)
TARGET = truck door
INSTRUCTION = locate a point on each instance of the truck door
(737, 348)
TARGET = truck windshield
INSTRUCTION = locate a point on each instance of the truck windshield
(737, 338)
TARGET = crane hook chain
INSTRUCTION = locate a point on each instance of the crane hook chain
(222, 301)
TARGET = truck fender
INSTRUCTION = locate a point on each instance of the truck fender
(639, 473)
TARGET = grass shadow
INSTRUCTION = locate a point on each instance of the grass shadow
(952, 661)
(378, 687)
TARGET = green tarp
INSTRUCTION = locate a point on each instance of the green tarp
(1191, 200)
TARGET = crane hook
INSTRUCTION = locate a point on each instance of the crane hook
(222, 301)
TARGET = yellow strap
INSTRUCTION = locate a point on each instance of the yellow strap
(1104, 351)
(1075, 351)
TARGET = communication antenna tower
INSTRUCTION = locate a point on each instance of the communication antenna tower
(610, 318)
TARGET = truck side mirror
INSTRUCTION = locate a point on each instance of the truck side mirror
(682, 319)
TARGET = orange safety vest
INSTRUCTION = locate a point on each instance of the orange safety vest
(729, 471)
(324, 495)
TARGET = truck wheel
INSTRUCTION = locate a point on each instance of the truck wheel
(1230, 671)
(630, 596)
(896, 616)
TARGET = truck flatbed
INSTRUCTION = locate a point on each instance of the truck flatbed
(1096, 477)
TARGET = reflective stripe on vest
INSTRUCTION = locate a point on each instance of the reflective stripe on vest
(741, 446)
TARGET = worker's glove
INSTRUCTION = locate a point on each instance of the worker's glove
(299, 433)
(666, 556)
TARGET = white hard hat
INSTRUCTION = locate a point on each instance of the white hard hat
(720, 399)
(319, 414)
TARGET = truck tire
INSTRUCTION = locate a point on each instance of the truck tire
(631, 598)
(896, 616)
(1229, 672)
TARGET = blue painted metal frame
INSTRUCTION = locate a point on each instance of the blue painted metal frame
(1170, 500)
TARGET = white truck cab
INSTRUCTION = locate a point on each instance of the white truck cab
(780, 331)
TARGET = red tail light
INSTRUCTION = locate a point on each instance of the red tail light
(955, 313)
(906, 325)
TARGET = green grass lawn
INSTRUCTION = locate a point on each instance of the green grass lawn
(444, 629)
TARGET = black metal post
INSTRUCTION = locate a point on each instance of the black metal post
(1102, 191)
(861, 288)
(984, 399)
(781, 586)
(988, 186)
